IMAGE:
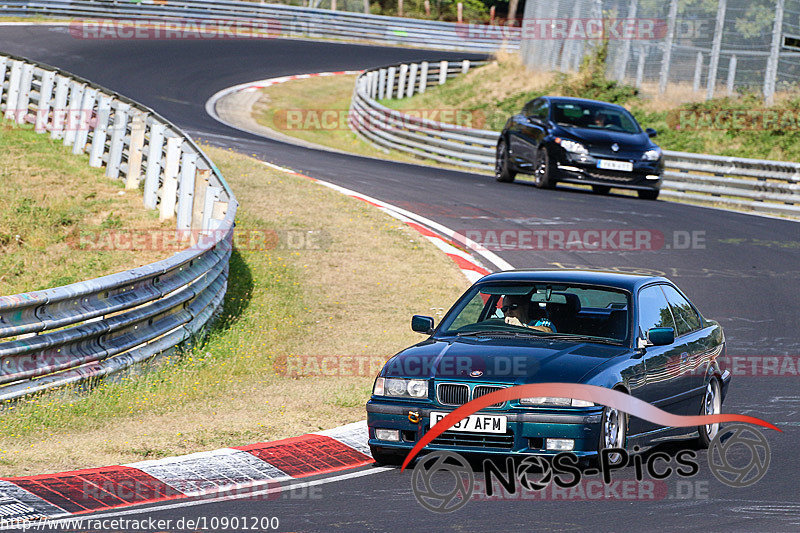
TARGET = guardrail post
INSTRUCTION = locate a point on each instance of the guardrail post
(45, 96)
(465, 66)
(401, 83)
(201, 178)
(443, 65)
(154, 151)
(169, 189)
(100, 131)
(85, 120)
(412, 79)
(390, 83)
(138, 126)
(373, 84)
(381, 83)
(212, 196)
(117, 139)
(26, 79)
(13, 90)
(3, 64)
(698, 71)
(423, 76)
(73, 115)
(186, 190)
(59, 107)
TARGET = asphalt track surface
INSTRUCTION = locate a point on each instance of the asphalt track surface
(746, 275)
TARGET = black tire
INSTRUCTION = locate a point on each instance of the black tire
(619, 427)
(543, 170)
(387, 458)
(649, 194)
(502, 170)
(601, 189)
(710, 404)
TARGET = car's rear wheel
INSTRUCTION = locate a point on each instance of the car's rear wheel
(601, 189)
(385, 457)
(613, 431)
(648, 194)
(711, 405)
(543, 170)
(502, 170)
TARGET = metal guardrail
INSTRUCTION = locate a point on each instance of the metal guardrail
(272, 20)
(65, 335)
(759, 185)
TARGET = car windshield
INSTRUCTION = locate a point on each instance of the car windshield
(541, 309)
(594, 116)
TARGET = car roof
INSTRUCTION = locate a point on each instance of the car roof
(567, 99)
(621, 280)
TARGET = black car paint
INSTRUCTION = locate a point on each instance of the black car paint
(525, 134)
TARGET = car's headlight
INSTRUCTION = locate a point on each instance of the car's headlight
(558, 402)
(411, 388)
(654, 154)
(572, 146)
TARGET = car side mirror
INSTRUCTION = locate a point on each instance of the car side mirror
(651, 132)
(661, 336)
(422, 324)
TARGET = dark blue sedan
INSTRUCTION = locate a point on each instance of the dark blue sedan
(580, 141)
(636, 334)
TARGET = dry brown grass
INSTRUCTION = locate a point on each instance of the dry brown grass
(49, 201)
(353, 297)
(674, 95)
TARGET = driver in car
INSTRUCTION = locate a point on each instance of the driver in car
(515, 310)
(600, 119)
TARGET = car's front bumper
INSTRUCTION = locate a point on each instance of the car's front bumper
(646, 175)
(527, 431)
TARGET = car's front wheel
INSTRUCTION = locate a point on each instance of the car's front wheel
(543, 170)
(613, 432)
(648, 194)
(387, 458)
(502, 170)
(711, 405)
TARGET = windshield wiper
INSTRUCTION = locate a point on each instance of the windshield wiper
(587, 338)
(486, 332)
(490, 332)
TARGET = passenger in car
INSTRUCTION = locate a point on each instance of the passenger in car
(516, 309)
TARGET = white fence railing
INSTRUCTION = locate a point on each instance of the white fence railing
(761, 185)
(94, 328)
(254, 20)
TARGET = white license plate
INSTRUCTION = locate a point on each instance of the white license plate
(475, 423)
(609, 164)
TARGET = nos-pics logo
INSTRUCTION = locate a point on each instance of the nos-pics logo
(443, 481)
